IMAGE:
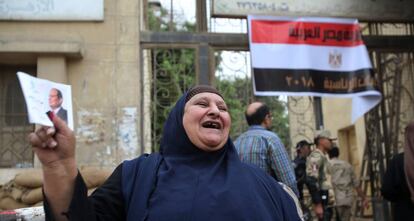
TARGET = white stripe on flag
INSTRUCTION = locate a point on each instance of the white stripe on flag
(288, 56)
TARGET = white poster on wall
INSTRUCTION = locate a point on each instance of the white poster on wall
(52, 10)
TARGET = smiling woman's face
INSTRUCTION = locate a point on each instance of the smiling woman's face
(207, 121)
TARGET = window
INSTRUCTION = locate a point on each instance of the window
(15, 150)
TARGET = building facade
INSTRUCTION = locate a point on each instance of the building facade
(98, 58)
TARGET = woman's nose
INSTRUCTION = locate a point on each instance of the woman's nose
(214, 110)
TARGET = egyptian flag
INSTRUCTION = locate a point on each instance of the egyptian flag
(312, 56)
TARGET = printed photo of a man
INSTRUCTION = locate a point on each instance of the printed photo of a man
(55, 103)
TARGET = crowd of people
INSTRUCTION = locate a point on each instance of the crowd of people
(200, 174)
(330, 182)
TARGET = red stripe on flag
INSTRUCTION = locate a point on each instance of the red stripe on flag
(312, 33)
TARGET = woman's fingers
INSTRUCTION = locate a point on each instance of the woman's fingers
(51, 143)
(41, 134)
(43, 137)
(50, 131)
(35, 140)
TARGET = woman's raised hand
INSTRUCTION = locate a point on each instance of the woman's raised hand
(54, 146)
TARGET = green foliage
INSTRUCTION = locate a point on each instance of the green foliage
(162, 22)
(173, 70)
(174, 74)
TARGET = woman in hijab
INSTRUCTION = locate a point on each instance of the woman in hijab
(196, 176)
(396, 181)
(409, 158)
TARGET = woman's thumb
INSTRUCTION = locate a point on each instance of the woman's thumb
(60, 125)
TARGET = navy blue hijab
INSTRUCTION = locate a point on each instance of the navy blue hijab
(192, 184)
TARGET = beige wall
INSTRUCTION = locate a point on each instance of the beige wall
(100, 61)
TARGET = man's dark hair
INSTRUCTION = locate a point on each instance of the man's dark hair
(59, 93)
(258, 116)
(334, 152)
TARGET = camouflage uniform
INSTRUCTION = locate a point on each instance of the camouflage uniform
(344, 182)
(318, 181)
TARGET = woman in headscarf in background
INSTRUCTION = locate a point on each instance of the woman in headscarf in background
(396, 181)
(196, 176)
(409, 158)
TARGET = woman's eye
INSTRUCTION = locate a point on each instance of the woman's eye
(223, 108)
(202, 104)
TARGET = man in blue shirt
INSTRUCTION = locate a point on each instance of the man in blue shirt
(260, 146)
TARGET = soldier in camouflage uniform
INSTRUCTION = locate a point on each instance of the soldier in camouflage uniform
(343, 182)
(303, 149)
(317, 176)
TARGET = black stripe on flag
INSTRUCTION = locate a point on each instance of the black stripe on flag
(292, 80)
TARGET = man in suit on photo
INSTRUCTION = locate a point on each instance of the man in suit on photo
(55, 103)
